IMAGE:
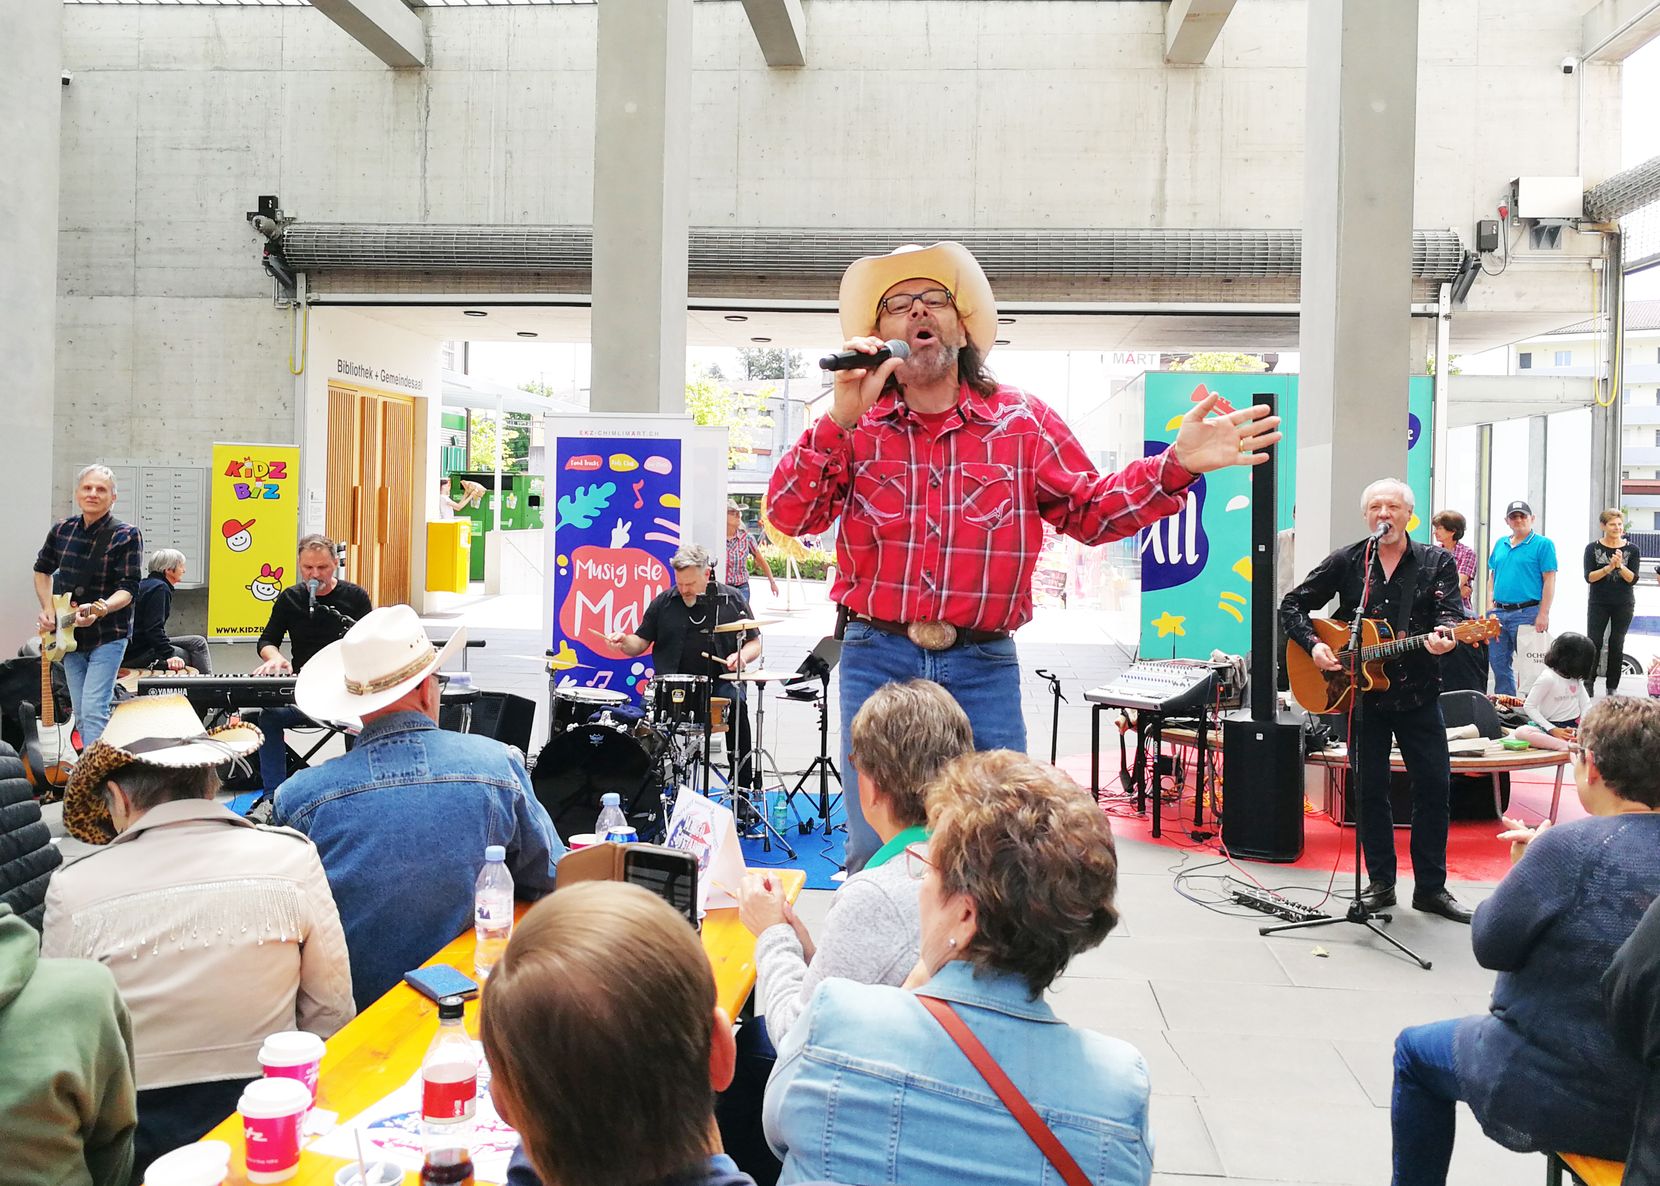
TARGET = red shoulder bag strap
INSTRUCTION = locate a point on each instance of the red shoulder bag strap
(1042, 1135)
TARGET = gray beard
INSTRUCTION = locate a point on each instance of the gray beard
(931, 366)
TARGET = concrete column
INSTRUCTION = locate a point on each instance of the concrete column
(642, 159)
(1538, 442)
(31, 63)
(1357, 263)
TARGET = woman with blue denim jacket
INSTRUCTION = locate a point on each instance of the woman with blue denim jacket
(1017, 878)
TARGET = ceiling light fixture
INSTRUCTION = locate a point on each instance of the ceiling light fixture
(527, 333)
(1001, 342)
(1005, 321)
(475, 313)
(763, 341)
(736, 317)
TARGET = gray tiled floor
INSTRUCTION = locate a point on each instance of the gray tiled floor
(1270, 1061)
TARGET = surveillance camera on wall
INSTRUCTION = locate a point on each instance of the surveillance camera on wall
(265, 226)
(67, 77)
(1570, 64)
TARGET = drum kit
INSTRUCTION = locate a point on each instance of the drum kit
(600, 742)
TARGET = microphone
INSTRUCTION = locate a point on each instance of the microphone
(1378, 532)
(311, 597)
(852, 360)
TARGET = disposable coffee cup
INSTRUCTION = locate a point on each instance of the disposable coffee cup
(293, 1054)
(273, 1111)
(381, 1173)
(581, 840)
(206, 1163)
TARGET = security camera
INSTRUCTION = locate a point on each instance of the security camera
(1570, 64)
(67, 78)
(265, 226)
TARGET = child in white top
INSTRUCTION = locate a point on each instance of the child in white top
(1559, 697)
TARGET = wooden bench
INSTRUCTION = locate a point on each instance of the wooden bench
(1591, 1171)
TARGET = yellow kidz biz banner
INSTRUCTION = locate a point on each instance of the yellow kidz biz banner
(255, 504)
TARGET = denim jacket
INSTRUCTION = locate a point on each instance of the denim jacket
(401, 823)
(869, 1088)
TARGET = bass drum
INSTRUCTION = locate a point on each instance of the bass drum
(579, 765)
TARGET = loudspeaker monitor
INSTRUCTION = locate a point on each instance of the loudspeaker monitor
(1262, 788)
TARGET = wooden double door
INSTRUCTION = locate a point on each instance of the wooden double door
(371, 490)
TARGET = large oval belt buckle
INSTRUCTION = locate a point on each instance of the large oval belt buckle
(932, 636)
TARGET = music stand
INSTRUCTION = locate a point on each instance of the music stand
(818, 664)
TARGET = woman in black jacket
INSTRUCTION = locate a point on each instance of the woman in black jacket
(27, 854)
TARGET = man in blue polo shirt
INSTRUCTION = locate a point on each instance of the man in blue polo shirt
(1524, 582)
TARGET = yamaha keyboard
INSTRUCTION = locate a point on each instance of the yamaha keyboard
(221, 692)
(1173, 687)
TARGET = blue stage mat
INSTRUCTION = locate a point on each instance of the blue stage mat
(817, 854)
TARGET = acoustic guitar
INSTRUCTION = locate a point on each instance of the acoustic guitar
(48, 748)
(1330, 691)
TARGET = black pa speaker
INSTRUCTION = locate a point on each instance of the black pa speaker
(1262, 788)
(502, 715)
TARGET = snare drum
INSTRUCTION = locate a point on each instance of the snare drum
(680, 701)
(573, 705)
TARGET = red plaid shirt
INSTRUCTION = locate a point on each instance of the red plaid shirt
(942, 517)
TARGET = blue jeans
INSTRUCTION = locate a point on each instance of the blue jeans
(273, 751)
(91, 675)
(1422, 735)
(1423, 1111)
(1502, 650)
(983, 677)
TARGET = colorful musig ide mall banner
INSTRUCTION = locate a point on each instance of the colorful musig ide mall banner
(1196, 565)
(617, 521)
(255, 505)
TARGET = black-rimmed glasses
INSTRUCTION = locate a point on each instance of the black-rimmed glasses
(901, 302)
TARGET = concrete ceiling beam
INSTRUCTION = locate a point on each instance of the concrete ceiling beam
(386, 28)
(1191, 28)
(781, 29)
(1615, 29)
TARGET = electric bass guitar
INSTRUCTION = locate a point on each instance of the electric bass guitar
(48, 749)
(1330, 691)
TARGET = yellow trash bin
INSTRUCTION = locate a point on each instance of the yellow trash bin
(449, 554)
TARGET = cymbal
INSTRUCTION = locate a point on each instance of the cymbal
(745, 624)
(761, 675)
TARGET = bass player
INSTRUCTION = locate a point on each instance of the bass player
(1413, 587)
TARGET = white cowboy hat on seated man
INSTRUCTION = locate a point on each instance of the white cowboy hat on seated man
(381, 658)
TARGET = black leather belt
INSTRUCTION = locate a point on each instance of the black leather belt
(1516, 604)
(932, 636)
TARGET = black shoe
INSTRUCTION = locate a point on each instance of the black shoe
(1442, 903)
(1378, 895)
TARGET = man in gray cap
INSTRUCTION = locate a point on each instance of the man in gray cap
(1524, 582)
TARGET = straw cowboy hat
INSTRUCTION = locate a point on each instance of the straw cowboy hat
(161, 732)
(950, 264)
(382, 657)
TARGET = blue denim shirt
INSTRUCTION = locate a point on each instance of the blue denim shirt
(869, 1088)
(401, 824)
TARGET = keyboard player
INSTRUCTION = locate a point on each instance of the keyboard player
(312, 613)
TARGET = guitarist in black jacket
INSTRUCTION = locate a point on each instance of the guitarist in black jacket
(1414, 588)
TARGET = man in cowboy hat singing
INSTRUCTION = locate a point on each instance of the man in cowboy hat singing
(943, 478)
(402, 821)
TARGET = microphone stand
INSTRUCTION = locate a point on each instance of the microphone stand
(1359, 912)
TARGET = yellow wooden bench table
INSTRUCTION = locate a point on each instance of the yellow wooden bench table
(1592, 1171)
(382, 1047)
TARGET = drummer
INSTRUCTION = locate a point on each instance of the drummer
(679, 629)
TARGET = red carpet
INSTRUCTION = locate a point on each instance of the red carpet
(1473, 853)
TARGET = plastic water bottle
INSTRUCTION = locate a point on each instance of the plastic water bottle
(612, 824)
(779, 809)
(449, 1072)
(492, 910)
